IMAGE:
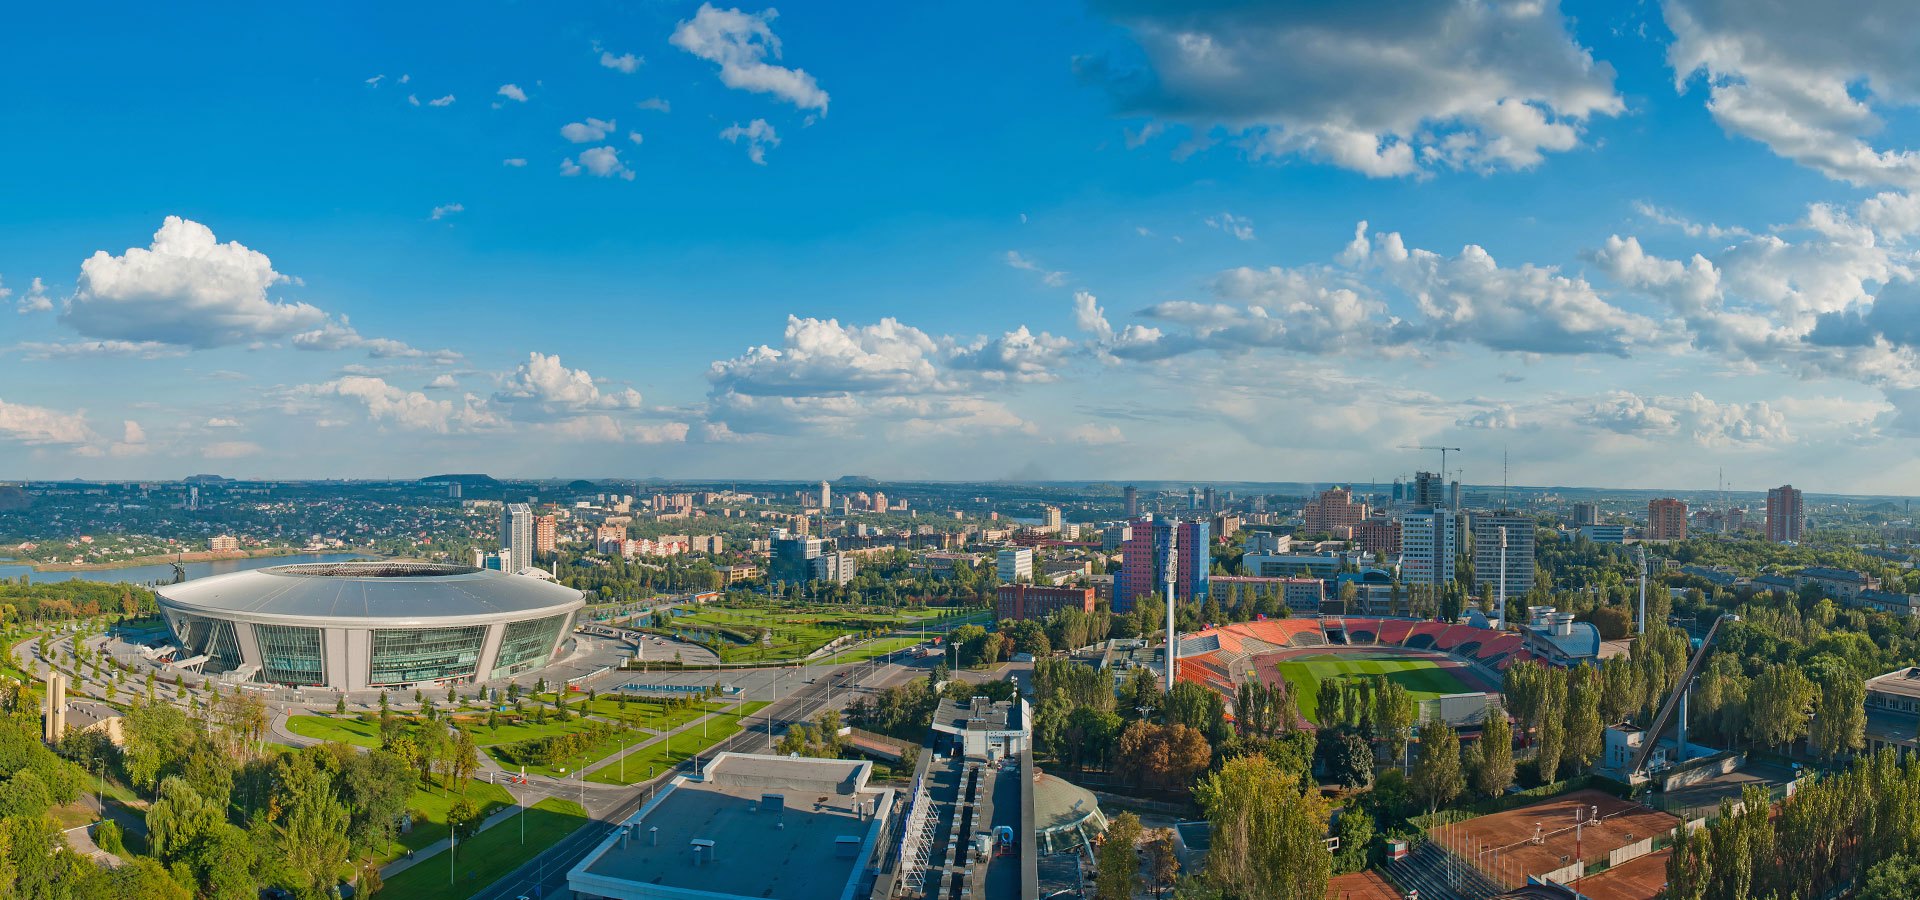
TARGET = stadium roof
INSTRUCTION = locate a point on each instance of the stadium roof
(370, 590)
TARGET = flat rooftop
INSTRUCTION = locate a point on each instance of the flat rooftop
(976, 714)
(815, 847)
(1899, 683)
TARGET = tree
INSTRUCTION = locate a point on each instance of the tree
(180, 820)
(107, 836)
(1345, 757)
(1116, 867)
(1437, 778)
(1895, 878)
(1777, 705)
(1585, 733)
(1355, 830)
(1267, 831)
(1163, 865)
(1839, 713)
(1495, 771)
(310, 828)
(463, 817)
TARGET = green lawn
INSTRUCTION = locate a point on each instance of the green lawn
(685, 744)
(488, 856)
(599, 750)
(800, 630)
(339, 729)
(1422, 678)
(432, 805)
(872, 649)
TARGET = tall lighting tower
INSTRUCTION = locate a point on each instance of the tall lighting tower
(1170, 571)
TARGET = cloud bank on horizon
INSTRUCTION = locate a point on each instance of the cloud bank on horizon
(1261, 241)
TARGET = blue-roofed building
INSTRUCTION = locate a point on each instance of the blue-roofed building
(1555, 637)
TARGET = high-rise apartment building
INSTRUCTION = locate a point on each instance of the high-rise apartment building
(1143, 561)
(516, 537)
(1586, 514)
(1050, 518)
(1015, 564)
(1333, 509)
(1666, 519)
(1784, 514)
(1428, 541)
(1429, 491)
(1130, 497)
(543, 534)
(826, 496)
(1516, 560)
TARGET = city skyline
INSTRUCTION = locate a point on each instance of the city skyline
(1629, 247)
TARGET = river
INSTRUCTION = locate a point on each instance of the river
(164, 571)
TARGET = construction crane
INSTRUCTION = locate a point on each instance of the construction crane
(1678, 698)
(1443, 457)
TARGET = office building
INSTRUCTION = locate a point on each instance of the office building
(1143, 561)
(543, 535)
(516, 537)
(363, 625)
(1586, 514)
(1785, 516)
(1490, 560)
(1302, 565)
(1666, 519)
(1429, 491)
(1015, 564)
(1604, 533)
(1428, 541)
(1130, 498)
(791, 559)
(1025, 601)
(1332, 511)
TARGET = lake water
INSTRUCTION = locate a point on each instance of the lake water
(164, 572)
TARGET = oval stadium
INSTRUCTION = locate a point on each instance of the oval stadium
(369, 625)
(1452, 671)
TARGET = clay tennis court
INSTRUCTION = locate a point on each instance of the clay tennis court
(1636, 879)
(1501, 843)
(1361, 886)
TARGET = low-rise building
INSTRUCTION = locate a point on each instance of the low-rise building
(751, 826)
(1555, 637)
(1026, 601)
(1893, 711)
(984, 729)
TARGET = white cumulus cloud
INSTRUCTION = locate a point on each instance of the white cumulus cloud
(741, 44)
(184, 288)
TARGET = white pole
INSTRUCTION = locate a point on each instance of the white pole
(1500, 610)
(1172, 570)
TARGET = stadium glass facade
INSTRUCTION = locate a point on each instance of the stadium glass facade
(290, 654)
(411, 655)
(527, 645)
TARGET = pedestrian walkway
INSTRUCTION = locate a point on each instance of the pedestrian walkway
(614, 758)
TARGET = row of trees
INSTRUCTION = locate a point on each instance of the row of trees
(1830, 832)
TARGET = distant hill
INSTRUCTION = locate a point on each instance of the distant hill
(205, 479)
(582, 486)
(465, 481)
(856, 481)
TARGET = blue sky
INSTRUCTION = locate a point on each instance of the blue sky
(1060, 240)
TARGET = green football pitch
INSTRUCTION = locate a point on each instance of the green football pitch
(1425, 679)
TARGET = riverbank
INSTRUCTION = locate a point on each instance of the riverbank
(191, 556)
